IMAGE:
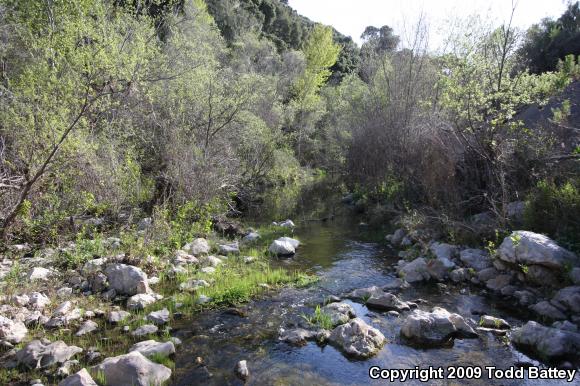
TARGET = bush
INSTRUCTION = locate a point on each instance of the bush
(555, 211)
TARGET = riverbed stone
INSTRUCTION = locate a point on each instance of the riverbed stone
(193, 285)
(37, 354)
(127, 279)
(543, 276)
(529, 248)
(459, 275)
(230, 249)
(81, 378)
(12, 331)
(210, 261)
(525, 297)
(397, 237)
(284, 246)
(415, 271)
(118, 316)
(241, 370)
(363, 294)
(251, 237)
(38, 301)
(565, 325)
(356, 338)
(499, 282)
(388, 302)
(339, 313)
(299, 336)
(477, 259)
(487, 274)
(488, 321)
(443, 251)
(435, 328)
(40, 274)
(548, 310)
(569, 298)
(198, 247)
(132, 369)
(546, 342)
(150, 348)
(438, 269)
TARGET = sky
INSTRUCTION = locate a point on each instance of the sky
(351, 17)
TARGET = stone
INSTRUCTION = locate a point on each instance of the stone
(208, 270)
(339, 313)
(183, 258)
(525, 298)
(459, 275)
(575, 275)
(515, 211)
(93, 266)
(98, 282)
(287, 224)
(87, 327)
(357, 339)
(127, 279)
(569, 298)
(415, 271)
(39, 273)
(498, 282)
(118, 316)
(81, 378)
(66, 368)
(363, 294)
(398, 237)
(37, 354)
(565, 325)
(487, 274)
(210, 261)
(230, 249)
(140, 301)
(548, 310)
(435, 328)
(144, 224)
(540, 275)
(438, 270)
(283, 247)
(251, 237)
(20, 300)
(109, 294)
(249, 259)
(146, 329)
(193, 285)
(63, 309)
(298, 337)
(202, 299)
(388, 302)
(241, 370)
(475, 258)
(160, 317)
(528, 248)
(443, 251)
(12, 331)
(396, 284)
(151, 348)
(132, 369)
(198, 247)
(64, 292)
(547, 343)
(495, 323)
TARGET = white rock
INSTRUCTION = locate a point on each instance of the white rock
(132, 369)
(198, 247)
(12, 331)
(127, 279)
(151, 348)
(523, 247)
(81, 378)
(140, 301)
(39, 273)
(38, 301)
(357, 338)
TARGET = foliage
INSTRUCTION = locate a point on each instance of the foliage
(554, 209)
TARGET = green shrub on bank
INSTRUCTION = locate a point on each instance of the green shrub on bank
(555, 210)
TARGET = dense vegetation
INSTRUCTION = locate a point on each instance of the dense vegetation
(116, 108)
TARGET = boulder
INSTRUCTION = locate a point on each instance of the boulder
(11, 331)
(388, 302)
(160, 317)
(548, 310)
(193, 285)
(20, 300)
(300, 336)
(210, 261)
(198, 247)
(540, 275)
(39, 273)
(363, 294)
(132, 369)
(251, 237)
(475, 258)
(398, 237)
(183, 258)
(284, 246)
(37, 354)
(435, 328)
(565, 325)
(515, 211)
(525, 298)
(528, 248)
(339, 313)
(357, 339)
(415, 271)
(438, 269)
(87, 327)
(568, 298)
(127, 279)
(499, 282)
(230, 249)
(91, 267)
(487, 274)
(575, 275)
(146, 329)
(287, 224)
(140, 301)
(443, 251)
(547, 343)
(150, 348)
(118, 316)
(495, 323)
(81, 378)
(459, 275)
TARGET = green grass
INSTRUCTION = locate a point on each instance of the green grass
(320, 319)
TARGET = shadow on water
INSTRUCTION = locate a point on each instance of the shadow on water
(345, 256)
